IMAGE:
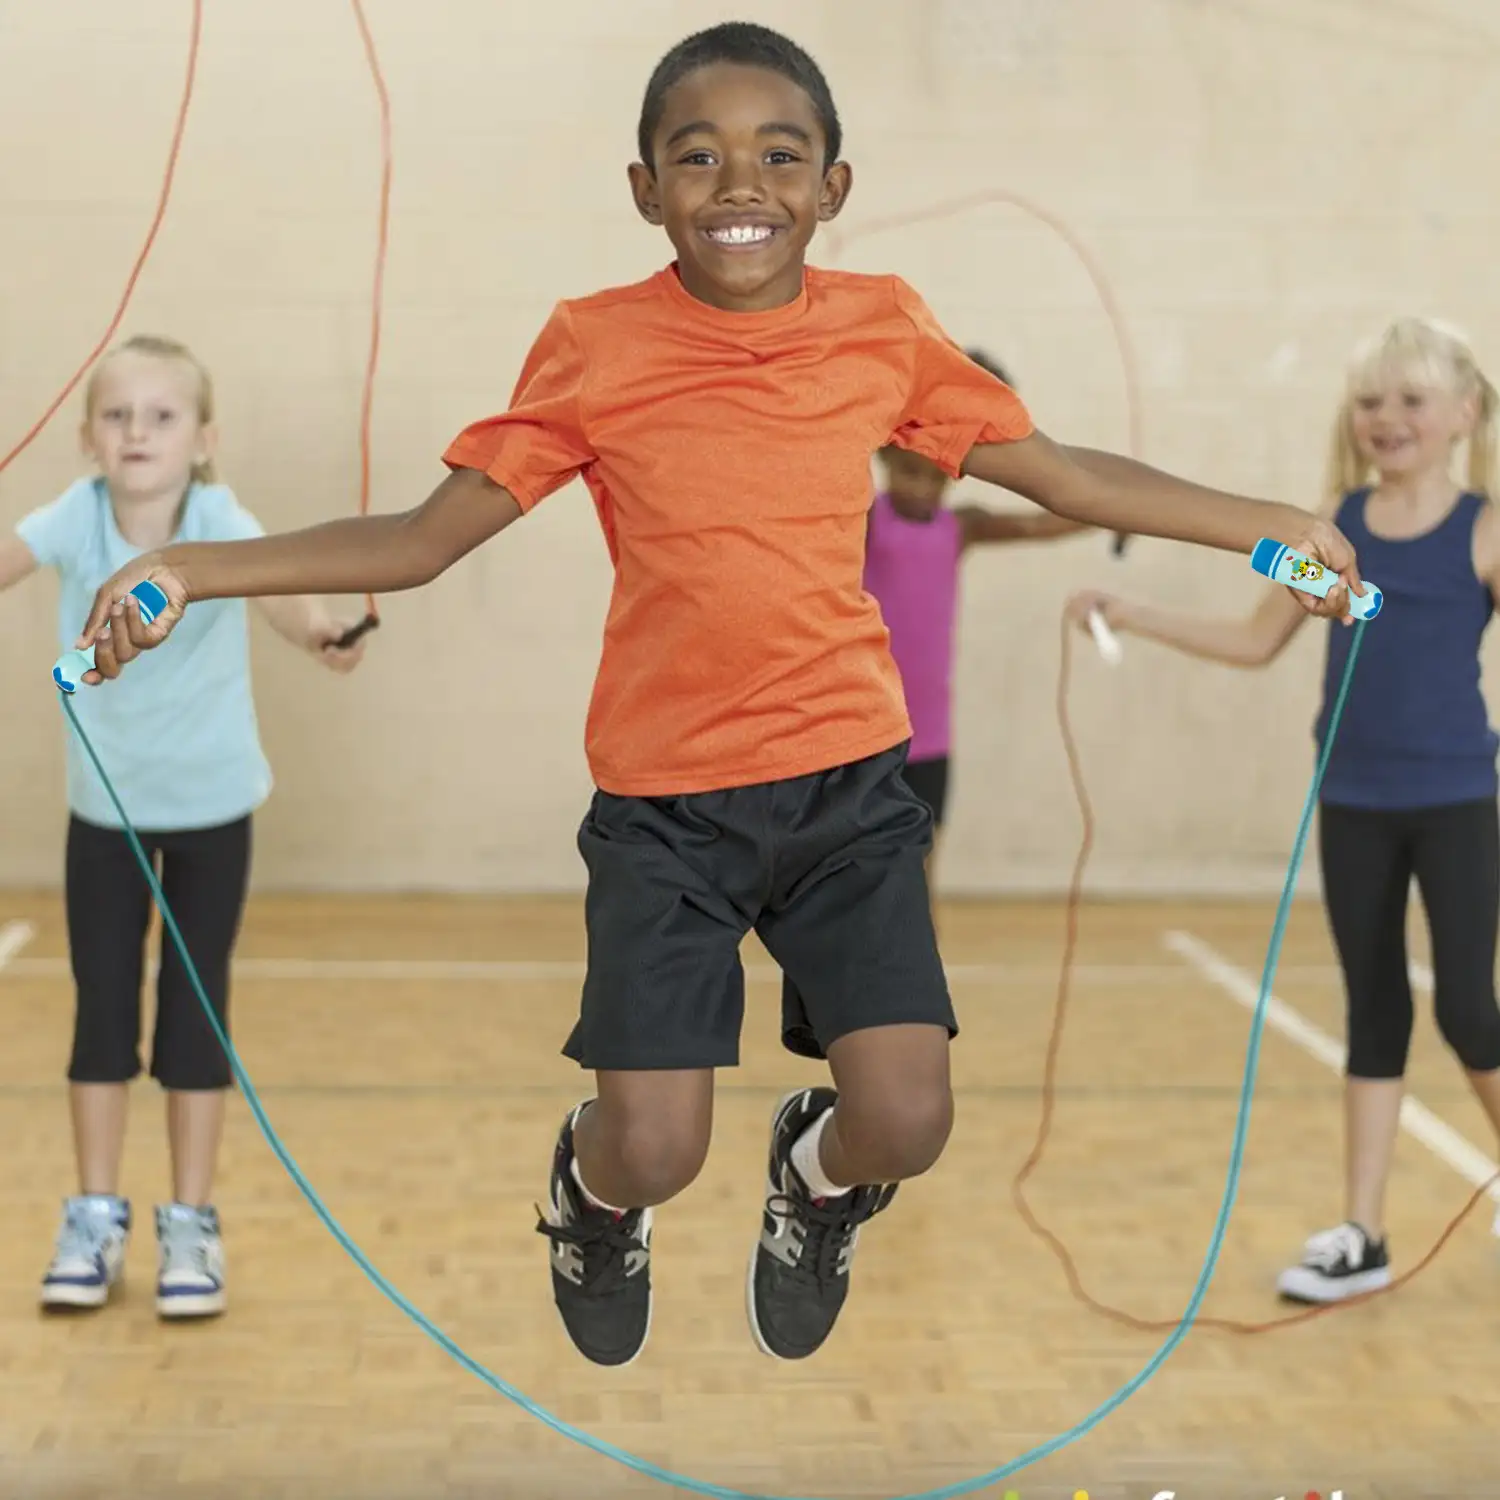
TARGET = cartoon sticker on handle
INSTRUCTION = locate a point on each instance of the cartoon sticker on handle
(1276, 561)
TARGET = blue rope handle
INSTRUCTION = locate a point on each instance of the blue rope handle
(644, 1466)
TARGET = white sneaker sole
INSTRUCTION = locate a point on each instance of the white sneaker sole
(771, 1188)
(750, 1317)
(1302, 1284)
(65, 1295)
(192, 1305)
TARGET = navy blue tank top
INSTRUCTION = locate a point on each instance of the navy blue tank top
(1415, 730)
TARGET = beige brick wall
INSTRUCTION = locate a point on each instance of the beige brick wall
(1263, 181)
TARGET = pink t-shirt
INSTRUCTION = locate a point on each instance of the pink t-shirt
(911, 569)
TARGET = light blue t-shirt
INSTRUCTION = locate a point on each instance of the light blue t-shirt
(177, 731)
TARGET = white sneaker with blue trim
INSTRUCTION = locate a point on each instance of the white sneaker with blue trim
(88, 1260)
(190, 1278)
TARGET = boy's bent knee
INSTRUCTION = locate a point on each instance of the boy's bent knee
(895, 1109)
(898, 1136)
(659, 1162)
(637, 1148)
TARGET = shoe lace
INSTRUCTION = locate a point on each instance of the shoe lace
(82, 1235)
(183, 1248)
(825, 1229)
(603, 1246)
(1329, 1247)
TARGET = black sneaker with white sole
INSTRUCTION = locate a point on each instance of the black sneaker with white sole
(601, 1264)
(799, 1270)
(1337, 1263)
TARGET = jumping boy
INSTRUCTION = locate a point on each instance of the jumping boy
(747, 729)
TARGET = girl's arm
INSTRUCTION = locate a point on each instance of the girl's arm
(303, 620)
(16, 561)
(358, 555)
(1121, 495)
(1250, 642)
(1487, 548)
(979, 526)
(1253, 641)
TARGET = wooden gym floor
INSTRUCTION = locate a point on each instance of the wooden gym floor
(407, 1051)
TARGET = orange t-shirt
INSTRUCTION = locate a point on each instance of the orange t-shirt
(728, 455)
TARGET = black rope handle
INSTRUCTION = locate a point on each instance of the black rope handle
(355, 633)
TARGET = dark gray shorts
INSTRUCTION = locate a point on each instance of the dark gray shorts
(826, 869)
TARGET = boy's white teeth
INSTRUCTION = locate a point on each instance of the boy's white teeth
(741, 234)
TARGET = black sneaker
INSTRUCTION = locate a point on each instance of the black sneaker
(799, 1271)
(601, 1264)
(1337, 1263)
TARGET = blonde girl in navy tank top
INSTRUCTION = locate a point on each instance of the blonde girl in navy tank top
(1410, 791)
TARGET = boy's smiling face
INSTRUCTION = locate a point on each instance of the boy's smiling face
(739, 184)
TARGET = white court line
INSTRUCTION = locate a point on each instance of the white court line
(1442, 1140)
(459, 970)
(397, 970)
(13, 937)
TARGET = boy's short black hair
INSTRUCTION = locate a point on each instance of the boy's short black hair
(752, 46)
(990, 363)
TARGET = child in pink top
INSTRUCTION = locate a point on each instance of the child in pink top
(913, 552)
(914, 547)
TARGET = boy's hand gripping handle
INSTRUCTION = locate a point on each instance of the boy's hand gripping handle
(1281, 565)
(70, 667)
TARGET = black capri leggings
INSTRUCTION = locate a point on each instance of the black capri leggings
(1369, 859)
(204, 873)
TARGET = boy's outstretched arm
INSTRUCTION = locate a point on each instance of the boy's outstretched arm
(358, 555)
(981, 527)
(1122, 495)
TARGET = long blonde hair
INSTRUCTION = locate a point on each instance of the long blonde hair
(163, 348)
(1426, 352)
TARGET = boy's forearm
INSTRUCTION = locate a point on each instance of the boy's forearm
(357, 555)
(1136, 498)
(1048, 527)
(983, 527)
(1121, 495)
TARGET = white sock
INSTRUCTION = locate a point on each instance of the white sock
(808, 1163)
(589, 1198)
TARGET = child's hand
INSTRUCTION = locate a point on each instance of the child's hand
(115, 628)
(1082, 604)
(1325, 543)
(337, 658)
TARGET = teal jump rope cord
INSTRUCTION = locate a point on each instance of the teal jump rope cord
(683, 1481)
